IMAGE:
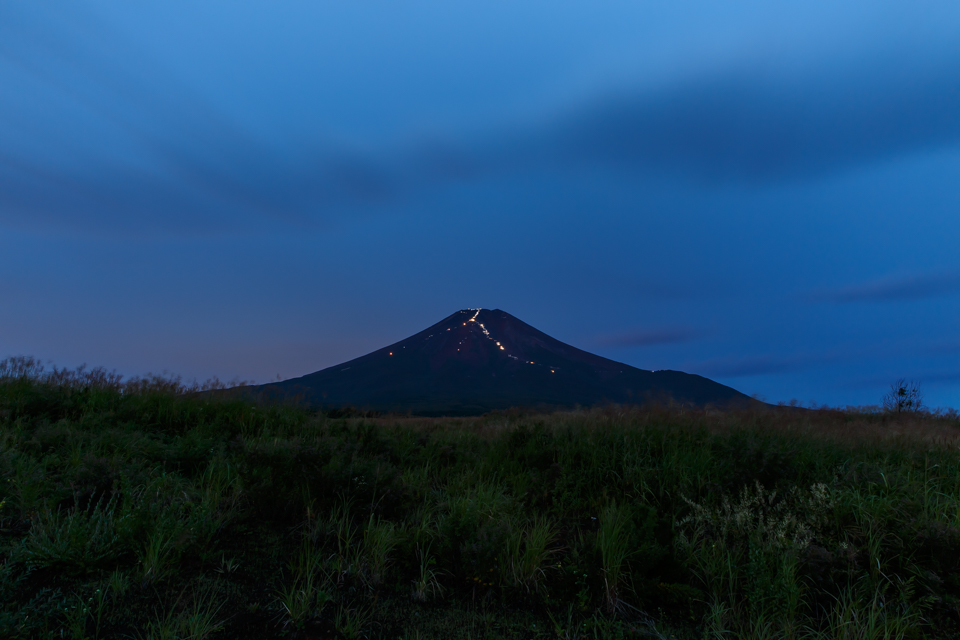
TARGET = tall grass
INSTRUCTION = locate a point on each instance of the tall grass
(527, 556)
(151, 509)
(74, 540)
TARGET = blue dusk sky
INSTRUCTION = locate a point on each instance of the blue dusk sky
(764, 193)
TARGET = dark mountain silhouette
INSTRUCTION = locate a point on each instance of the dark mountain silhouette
(479, 360)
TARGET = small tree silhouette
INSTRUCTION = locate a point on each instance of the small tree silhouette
(904, 397)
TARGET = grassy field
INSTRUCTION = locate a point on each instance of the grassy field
(145, 510)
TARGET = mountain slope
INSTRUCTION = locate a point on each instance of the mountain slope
(479, 360)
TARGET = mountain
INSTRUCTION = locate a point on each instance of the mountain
(479, 360)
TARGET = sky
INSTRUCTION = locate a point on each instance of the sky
(763, 193)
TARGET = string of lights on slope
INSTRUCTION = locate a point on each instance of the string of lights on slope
(487, 335)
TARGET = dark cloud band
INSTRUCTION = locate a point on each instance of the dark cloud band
(648, 337)
(915, 287)
(193, 172)
(757, 126)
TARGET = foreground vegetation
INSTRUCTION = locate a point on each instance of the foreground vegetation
(146, 510)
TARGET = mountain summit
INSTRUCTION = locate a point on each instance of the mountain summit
(478, 360)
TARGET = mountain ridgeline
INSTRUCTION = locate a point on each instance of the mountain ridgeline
(480, 360)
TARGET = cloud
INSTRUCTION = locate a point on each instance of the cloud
(648, 337)
(735, 366)
(188, 195)
(944, 347)
(121, 146)
(912, 287)
(754, 124)
(933, 378)
(940, 377)
(742, 366)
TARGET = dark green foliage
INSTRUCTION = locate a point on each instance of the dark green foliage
(151, 511)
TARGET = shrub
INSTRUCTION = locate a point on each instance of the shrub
(904, 397)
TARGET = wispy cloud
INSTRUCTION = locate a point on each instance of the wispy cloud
(736, 366)
(944, 347)
(932, 378)
(880, 357)
(940, 377)
(647, 337)
(910, 287)
(742, 366)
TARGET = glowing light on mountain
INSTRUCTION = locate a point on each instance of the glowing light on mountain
(486, 332)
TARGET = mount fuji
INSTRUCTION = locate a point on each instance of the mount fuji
(480, 360)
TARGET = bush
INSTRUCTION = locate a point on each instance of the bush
(904, 397)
